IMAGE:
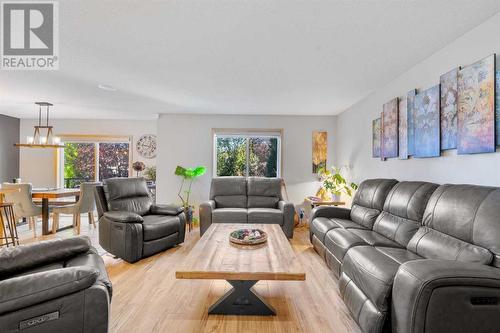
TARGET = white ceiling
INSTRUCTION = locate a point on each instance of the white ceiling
(237, 57)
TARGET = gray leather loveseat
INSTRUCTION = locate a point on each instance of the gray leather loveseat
(415, 256)
(247, 200)
(131, 226)
(58, 285)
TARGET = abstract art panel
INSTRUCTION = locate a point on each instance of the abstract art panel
(449, 87)
(497, 112)
(476, 107)
(426, 121)
(376, 132)
(403, 130)
(410, 106)
(319, 151)
(390, 129)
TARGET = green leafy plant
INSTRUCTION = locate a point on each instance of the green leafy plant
(150, 173)
(188, 176)
(333, 182)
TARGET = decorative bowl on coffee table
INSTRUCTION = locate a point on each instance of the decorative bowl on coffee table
(248, 236)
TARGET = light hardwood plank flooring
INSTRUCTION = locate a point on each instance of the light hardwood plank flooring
(148, 298)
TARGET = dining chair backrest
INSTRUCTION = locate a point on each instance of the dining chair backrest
(22, 200)
(86, 203)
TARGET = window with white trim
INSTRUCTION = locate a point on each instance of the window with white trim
(247, 153)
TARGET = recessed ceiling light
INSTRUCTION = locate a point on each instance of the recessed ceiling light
(106, 87)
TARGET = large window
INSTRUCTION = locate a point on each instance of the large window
(241, 153)
(93, 158)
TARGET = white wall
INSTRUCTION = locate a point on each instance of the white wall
(354, 125)
(38, 165)
(187, 140)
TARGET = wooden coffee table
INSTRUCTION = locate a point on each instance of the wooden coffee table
(214, 257)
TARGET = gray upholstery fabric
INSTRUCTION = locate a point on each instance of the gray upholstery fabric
(159, 226)
(466, 212)
(130, 223)
(339, 241)
(265, 216)
(229, 215)
(69, 281)
(231, 196)
(398, 255)
(445, 296)
(373, 238)
(373, 192)
(364, 216)
(347, 224)
(320, 226)
(127, 194)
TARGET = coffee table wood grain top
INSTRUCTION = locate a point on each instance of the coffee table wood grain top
(215, 257)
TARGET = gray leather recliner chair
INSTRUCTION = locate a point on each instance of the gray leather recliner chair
(247, 200)
(429, 262)
(59, 285)
(131, 226)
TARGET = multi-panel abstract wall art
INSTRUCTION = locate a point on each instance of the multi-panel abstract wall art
(476, 107)
(462, 112)
(449, 96)
(390, 143)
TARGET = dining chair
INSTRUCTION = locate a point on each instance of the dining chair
(85, 204)
(23, 203)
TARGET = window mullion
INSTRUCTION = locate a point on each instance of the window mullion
(247, 159)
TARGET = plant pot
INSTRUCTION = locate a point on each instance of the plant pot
(335, 197)
(189, 217)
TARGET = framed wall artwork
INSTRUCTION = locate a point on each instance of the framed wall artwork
(403, 130)
(390, 143)
(497, 112)
(426, 122)
(410, 106)
(449, 87)
(476, 107)
(376, 132)
(319, 151)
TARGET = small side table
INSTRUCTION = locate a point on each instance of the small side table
(314, 203)
(8, 222)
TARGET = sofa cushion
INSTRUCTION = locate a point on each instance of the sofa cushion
(373, 238)
(127, 194)
(373, 192)
(158, 226)
(339, 241)
(255, 201)
(399, 255)
(320, 226)
(432, 244)
(231, 201)
(468, 213)
(344, 224)
(266, 187)
(372, 272)
(265, 216)
(403, 211)
(364, 216)
(229, 215)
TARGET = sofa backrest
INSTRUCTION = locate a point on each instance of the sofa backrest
(127, 194)
(403, 210)
(229, 192)
(263, 192)
(461, 222)
(369, 200)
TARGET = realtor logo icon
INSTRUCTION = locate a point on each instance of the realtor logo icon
(30, 36)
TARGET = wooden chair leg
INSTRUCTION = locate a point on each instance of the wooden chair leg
(74, 220)
(55, 222)
(91, 218)
(33, 222)
(78, 220)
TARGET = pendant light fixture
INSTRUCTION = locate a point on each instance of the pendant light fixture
(43, 136)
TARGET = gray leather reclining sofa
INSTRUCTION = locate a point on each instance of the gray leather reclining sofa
(247, 200)
(415, 257)
(58, 285)
(131, 226)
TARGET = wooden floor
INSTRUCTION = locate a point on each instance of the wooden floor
(148, 298)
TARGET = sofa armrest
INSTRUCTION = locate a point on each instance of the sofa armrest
(172, 210)
(26, 290)
(123, 217)
(206, 209)
(444, 295)
(15, 260)
(330, 212)
(288, 210)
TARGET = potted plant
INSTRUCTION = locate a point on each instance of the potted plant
(334, 183)
(150, 173)
(188, 176)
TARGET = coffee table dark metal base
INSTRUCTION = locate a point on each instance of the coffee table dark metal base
(242, 300)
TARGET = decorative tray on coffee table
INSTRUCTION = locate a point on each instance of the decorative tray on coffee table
(248, 236)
